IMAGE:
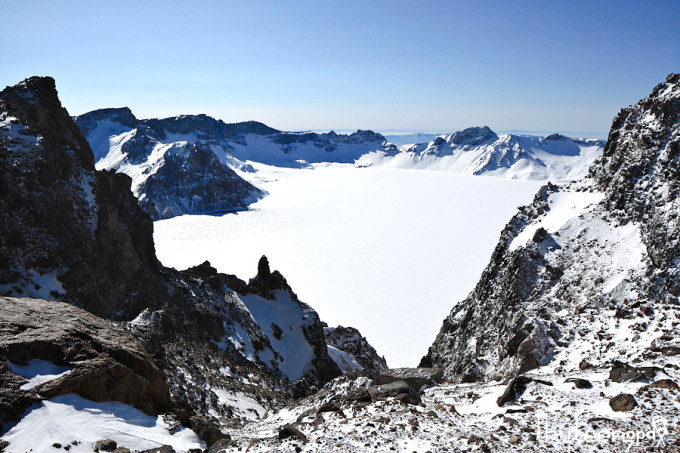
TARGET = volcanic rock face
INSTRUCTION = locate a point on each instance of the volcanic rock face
(105, 363)
(581, 255)
(68, 232)
(170, 177)
(184, 165)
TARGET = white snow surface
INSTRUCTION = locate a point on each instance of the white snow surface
(383, 250)
(564, 206)
(241, 404)
(66, 418)
(344, 360)
(293, 347)
(38, 372)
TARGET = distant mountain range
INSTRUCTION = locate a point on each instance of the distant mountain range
(186, 164)
(480, 151)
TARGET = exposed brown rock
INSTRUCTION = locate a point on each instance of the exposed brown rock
(415, 377)
(623, 402)
(108, 363)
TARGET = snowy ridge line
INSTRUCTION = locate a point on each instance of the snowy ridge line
(479, 151)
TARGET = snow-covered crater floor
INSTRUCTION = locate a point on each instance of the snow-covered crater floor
(384, 250)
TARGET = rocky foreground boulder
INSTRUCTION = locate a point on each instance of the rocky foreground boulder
(104, 362)
(584, 264)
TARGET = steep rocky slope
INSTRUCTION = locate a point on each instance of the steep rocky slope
(68, 232)
(75, 234)
(183, 165)
(588, 273)
(479, 151)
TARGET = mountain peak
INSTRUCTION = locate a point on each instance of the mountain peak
(35, 103)
(122, 115)
(473, 136)
(557, 138)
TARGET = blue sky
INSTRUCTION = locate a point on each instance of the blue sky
(411, 65)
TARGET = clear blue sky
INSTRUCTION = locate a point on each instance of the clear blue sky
(414, 65)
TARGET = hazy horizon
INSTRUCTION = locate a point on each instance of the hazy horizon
(400, 65)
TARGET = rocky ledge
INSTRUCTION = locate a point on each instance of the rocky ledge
(95, 359)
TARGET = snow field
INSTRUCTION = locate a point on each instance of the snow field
(386, 251)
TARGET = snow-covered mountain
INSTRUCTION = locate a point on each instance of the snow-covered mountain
(184, 165)
(590, 272)
(479, 151)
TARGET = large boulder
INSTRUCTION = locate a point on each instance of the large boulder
(395, 390)
(415, 377)
(623, 402)
(106, 363)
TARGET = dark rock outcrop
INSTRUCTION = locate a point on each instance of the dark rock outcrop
(106, 362)
(580, 383)
(266, 282)
(514, 390)
(350, 341)
(68, 232)
(415, 377)
(622, 372)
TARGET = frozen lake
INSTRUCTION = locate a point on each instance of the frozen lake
(387, 251)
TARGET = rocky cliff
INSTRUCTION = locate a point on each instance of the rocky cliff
(68, 232)
(588, 273)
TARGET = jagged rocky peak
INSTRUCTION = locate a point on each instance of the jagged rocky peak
(368, 136)
(266, 281)
(479, 151)
(473, 136)
(69, 232)
(581, 255)
(34, 104)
